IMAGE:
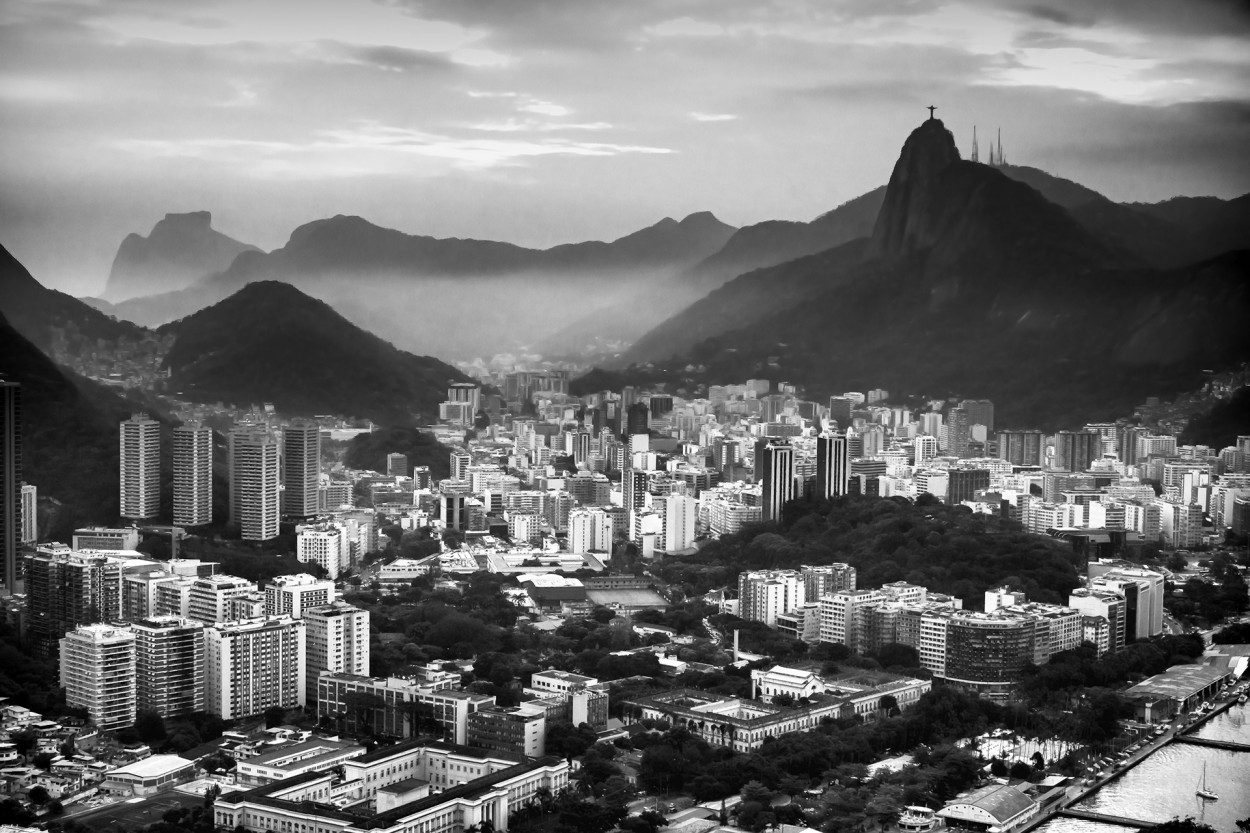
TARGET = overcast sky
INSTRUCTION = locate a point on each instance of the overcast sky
(562, 120)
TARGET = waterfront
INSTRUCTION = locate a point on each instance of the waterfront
(1066, 825)
(1232, 725)
(1162, 787)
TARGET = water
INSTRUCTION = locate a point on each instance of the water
(1162, 787)
(1061, 825)
(1233, 725)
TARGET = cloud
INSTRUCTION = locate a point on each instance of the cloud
(369, 148)
(697, 116)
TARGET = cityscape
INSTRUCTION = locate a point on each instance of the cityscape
(931, 512)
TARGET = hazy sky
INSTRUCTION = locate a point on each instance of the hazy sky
(561, 120)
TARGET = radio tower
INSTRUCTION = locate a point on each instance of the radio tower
(975, 157)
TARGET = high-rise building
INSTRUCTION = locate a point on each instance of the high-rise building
(926, 448)
(963, 484)
(396, 464)
(958, 431)
(337, 639)
(1076, 450)
(193, 475)
(460, 462)
(325, 545)
(10, 478)
(637, 419)
(301, 466)
(252, 665)
(774, 469)
(1108, 604)
(824, 579)
(30, 514)
(833, 466)
(169, 665)
(980, 412)
(765, 594)
(1022, 448)
(292, 595)
(65, 589)
(210, 596)
(140, 467)
(98, 674)
(840, 411)
(467, 392)
(254, 470)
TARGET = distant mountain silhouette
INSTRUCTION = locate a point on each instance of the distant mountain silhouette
(972, 283)
(52, 320)
(1168, 234)
(382, 278)
(269, 342)
(777, 241)
(181, 249)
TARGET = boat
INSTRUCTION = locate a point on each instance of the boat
(1203, 791)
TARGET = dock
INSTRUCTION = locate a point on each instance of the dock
(1105, 817)
(1214, 744)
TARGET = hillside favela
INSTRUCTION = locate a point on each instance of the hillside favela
(373, 461)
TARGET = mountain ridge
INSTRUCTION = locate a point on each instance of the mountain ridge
(180, 249)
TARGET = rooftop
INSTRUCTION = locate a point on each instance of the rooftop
(153, 766)
(1002, 802)
(1180, 682)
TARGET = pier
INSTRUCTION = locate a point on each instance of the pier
(1105, 817)
(1214, 744)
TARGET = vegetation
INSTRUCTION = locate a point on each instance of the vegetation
(1219, 427)
(947, 549)
(368, 451)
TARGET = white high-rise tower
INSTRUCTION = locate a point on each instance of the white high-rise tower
(193, 475)
(140, 470)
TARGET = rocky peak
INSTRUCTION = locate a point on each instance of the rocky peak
(912, 199)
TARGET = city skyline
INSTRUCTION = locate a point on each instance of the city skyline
(563, 122)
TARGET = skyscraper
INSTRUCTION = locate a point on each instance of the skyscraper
(774, 468)
(1075, 450)
(140, 470)
(10, 478)
(301, 465)
(958, 432)
(193, 475)
(637, 419)
(254, 470)
(250, 666)
(833, 466)
(396, 464)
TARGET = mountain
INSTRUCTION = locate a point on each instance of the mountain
(1169, 234)
(69, 436)
(269, 342)
(181, 249)
(777, 241)
(58, 324)
(383, 279)
(973, 283)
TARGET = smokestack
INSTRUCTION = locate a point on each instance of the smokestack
(735, 646)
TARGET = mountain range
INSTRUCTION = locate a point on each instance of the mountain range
(179, 250)
(415, 290)
(975, 283)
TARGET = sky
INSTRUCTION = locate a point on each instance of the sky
(549, 121)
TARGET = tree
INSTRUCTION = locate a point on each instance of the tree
(1186, 825)
(44, 760)
(39, 795)
(274, 716)
(1020, 770)
(150, 726)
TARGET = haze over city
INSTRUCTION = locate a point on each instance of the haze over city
(545, 123)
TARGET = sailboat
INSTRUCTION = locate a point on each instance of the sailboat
(1203, 791)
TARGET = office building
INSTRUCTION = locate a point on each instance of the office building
(193, 475)
(140, 467)
(10, 478)
(833, 466)
(774, 470)
(823, 579)
(105, 538)
(963, 484)
(301, 466)
(254, 487)
(292, 595)
(406, 707)
(979, 412)
(397, 464)
(169, 665)
(337, 640)
(520, 730)
(1107, 604)
(958, 432)
(466, 392)
(97, 666)
(252, 665)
